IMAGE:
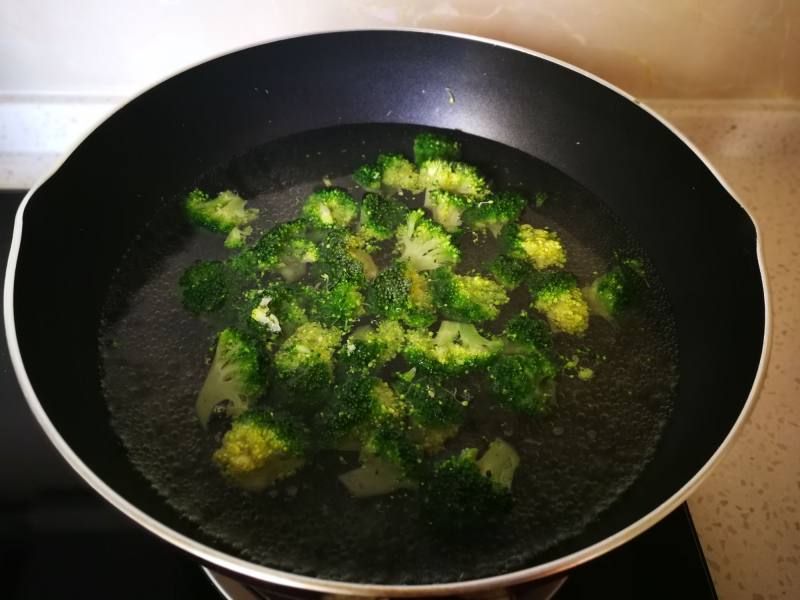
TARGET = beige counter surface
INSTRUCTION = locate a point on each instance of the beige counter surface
(748, 512)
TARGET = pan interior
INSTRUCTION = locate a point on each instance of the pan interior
(575, 462)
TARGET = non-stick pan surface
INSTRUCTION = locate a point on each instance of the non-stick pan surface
(76, 226)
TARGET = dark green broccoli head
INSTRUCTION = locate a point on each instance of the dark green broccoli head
(428, 146)
(304, 362)
(368, 177)
(466, 298)
(338, 305)
(459, 498)
(401, 293)
(380, 216)
(278, 308)
(350, 407)
(527, 331)
(283, 249)
(331, 207)
(221, 214)
(509, 272)
(435, 413)
(523, 383)
(611, 293)
(337, 263)
(205, 286)
(495, 212)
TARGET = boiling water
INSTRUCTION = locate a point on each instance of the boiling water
(575, 461)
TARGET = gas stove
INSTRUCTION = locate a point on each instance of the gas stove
(59, 540)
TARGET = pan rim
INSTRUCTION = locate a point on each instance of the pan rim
(275, 576)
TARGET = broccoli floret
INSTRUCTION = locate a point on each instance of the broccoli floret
(237, 237)
(425, 244)
(278, 308)
(509, 272)
(556, 295)
(468, 298)
(400, 292)
(540, 247)
(368, 177)
(305, 360)
(360, 247)
(527, 331)
(235, 378)
(204, 286)
(451, 176)
(446, 208)
(340, 259)
(610, 294)
(495, 212)
(283, 249)
(428, 146)
(380, 216)
(338, 305)
(331, 207)
(375, 477)
(226, 212)
(260, 449)
(398, 173)
(369, 348)
(523, 383)
(464, 493)
(457, 348)
(435, 413)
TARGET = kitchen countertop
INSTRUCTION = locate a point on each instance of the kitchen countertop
(748, 512)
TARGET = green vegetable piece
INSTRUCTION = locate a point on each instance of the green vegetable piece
(610, 294)
(425, 244)
(398, 173)
(467, 298)
(446, 208)
(337, 306)
(509, 272)
(428, 146)
(380, 216)
(457, 348)
(235, 378)
(221, 214)
(556, 295)
(435, 413)
(369, 348)
(539, 247)
(304, 362)
(523, 383)
(204, 286)
(452, 176)
(259, 450)
(495, 212)
(401, 293)
(369, 177)
(331, 207)
(282, 249)
(527, 331)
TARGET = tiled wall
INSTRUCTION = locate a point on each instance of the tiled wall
(665, 48)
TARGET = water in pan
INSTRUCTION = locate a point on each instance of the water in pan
(574, 462)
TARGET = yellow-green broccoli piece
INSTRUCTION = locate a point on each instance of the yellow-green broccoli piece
(446, 208)
(370, 347)
(425, 244)
(283, 249)
(260, 449)
(225, 213)
(540, 247)
(331, 207)
(556, 295)
(614, 291)
(391, 173)
(452, 176)
(380, 216)
(400, 292)
(304, 362)
(494, 212)
(455, 349)
(466, 298)
(429, 146)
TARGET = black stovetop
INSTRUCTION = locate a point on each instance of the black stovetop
(60, 540)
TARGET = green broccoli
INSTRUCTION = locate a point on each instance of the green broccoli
(341, 259)
(435, 413)
(557, 296)
(523, 383)
(446, 208)
(540, 247)
(400, 292)
(391, 172)
(304, 362)
(380, 216)
(468, 298)
(369, 348)
(465, 493)
(235, 379)
(455, 177)
(509, 272)
(613, 292)
(457, 348)
(425, 244)
(226, 213)
(375, 477)
(527, 331)
(204, 286)
(277, 308)
(428, 146)
(260, 449)
(338, 305)
(283, 249)
(331, 207)
(495, 212)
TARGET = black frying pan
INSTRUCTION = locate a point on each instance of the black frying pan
(72, 232)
